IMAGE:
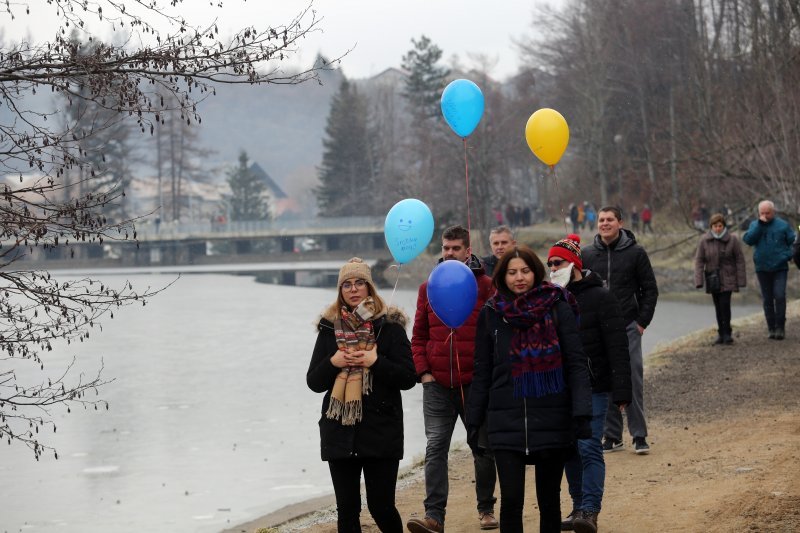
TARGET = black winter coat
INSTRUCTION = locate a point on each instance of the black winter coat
(626, 270)
(527, 424)
(604, 338)
(380, 432)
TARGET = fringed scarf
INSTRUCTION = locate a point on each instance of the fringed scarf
(352, 334)
(535, 352)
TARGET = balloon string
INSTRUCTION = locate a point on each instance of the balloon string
(458, 367)
(451, 339)
(466, 176)
(558, 197)
(394, 290)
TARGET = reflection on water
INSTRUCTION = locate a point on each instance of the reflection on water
(211, 423)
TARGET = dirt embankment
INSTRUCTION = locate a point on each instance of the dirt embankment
(724, 425)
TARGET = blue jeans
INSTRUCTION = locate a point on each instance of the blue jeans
(773, 294)
(442, 407)
(586, 472)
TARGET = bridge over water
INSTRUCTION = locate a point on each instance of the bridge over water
(311, 247)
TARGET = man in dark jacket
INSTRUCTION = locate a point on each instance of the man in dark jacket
(626, 271)
(772, 237)
(605, 342)
(445, 369)
(500, 239)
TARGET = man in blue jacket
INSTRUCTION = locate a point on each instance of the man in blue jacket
(772, 238)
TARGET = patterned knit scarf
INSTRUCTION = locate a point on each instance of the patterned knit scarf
(536, 363)
(352, 334)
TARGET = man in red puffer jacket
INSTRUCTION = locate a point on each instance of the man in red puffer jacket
(445, 368)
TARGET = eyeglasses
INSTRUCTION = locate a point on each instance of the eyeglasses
(358, 284)
(556, 262)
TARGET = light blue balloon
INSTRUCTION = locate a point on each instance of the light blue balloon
(408, 229)
(462, 106)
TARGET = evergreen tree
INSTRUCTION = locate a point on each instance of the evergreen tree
(248, 200)
(348, 165)
(426, 80)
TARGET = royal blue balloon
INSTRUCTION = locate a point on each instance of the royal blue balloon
(452, 292)
(462, 106)
(408, 229)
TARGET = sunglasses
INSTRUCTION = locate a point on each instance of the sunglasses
(556, 262)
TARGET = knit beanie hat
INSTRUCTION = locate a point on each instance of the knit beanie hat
(569, 249)
(355, 268)
(716, 217)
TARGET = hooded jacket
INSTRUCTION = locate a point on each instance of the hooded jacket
(430, 341)
(773, 244)
(527, 424)
(626, 271)
(379, 434)
(724, 254)
(604, 339)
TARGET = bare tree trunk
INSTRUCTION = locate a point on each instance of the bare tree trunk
(673, 162)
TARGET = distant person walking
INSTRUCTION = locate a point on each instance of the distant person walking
(591, 216)
(647, 218)
(500, 239)
(605, 342)
(772, 238)
(573, 217)
(531, 386)
(635, 219)
(361, 361)
(625, 268)
(719, 266)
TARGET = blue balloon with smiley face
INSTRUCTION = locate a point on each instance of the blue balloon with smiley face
(408, 229)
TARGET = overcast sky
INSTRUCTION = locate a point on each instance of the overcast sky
(380, 30)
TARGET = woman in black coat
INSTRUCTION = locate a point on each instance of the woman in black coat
(361, 361)
(531, 383)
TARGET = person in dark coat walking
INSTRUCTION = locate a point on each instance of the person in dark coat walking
(606, 345)
(361, 361)
(444, 363)
(719, 265)
(531, 385)
(625, 268)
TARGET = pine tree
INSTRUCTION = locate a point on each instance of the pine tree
(248, 200)
(348, 165)
(426, 80)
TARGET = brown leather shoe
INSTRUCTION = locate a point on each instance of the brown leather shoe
(488, 521)
(585, 523)
(424, 525)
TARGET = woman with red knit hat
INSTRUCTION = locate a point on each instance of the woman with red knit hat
(602, 330)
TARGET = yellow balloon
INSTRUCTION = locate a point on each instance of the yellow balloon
(547, 134)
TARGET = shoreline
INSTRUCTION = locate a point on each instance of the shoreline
(671, 383)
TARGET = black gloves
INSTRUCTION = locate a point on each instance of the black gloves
(472, 441)
(582, 427)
